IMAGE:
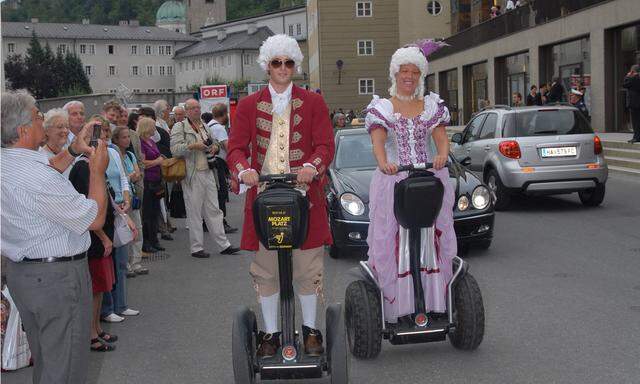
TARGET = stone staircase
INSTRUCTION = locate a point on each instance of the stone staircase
(622, 157)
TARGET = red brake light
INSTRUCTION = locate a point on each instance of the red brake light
(510, 149)
(597, 145)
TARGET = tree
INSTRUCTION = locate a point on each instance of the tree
(14, 70)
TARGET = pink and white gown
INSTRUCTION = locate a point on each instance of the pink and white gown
(408, 143)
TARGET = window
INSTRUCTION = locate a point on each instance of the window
(169, 70)
(207, 63)
(213, 61)
(228, 60)
(88, 70)
(62, 49)
(92, 49)
(290, 29)
(83, 49)
(434, 8)
(151, 90)
(365, 47)
(298, 29)
(148, 50)
(489, 127)
(472, 132)
(366, 87)
(169, 89)
(136, 90)
(363, 9)
(134, 49)
(11, 47)
(135, 70)
(222, 61)
(112, 91)
(111, 49)
(149, 70)
(193, 65)
(200, 64)
(161, 70)
(161, 90)
(164, 50)
(179, 67)
(246, 59)
(112, 70)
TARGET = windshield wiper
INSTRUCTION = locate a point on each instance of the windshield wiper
(545, 132)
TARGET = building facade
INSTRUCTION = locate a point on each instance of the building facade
(113, 56)
(351, 43)
(588, 44)
(205, 12)
(229, 51)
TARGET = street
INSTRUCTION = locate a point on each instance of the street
(560, 286)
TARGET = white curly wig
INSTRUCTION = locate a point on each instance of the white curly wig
(280, 45)
(408, 55)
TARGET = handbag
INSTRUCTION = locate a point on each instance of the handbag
(122, 234)
(173, 169)
(15, 346)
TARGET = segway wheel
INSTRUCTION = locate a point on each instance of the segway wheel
(243, 345)
(468, 314)
(363, 317)
(337, 356)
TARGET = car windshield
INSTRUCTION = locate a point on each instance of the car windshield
(355, 151)
(546, 122)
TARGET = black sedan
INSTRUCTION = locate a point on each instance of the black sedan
(348, 198)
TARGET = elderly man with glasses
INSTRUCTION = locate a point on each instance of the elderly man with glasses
(45, 237)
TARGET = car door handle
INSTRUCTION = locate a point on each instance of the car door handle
(487, 148)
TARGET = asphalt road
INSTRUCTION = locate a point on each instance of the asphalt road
(561, 291)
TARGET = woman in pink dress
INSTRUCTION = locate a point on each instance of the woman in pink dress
(401, 128)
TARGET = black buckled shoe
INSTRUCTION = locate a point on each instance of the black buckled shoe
(312, 341)
(267, 344)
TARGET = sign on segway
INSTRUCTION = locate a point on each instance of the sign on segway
(279, 220)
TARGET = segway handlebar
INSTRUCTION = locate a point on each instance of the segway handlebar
(282, 177)
(419, 166)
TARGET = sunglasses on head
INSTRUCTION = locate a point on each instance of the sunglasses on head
(276, 63)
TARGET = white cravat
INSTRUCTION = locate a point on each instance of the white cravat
(280, 100)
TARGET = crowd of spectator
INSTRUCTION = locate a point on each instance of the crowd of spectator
(64, 197)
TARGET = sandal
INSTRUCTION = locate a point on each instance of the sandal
(109, 338)
(103, 347)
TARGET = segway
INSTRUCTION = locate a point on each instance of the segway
(417, 202)
(280, 215)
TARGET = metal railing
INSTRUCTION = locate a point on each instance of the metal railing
(534, 13)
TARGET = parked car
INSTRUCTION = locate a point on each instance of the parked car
(348, 197)
(536, 150)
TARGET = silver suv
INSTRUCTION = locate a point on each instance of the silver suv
(547, 149)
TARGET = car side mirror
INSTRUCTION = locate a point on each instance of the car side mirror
(466, 161)
(457, 138)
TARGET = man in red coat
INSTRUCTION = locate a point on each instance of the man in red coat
(284, 129)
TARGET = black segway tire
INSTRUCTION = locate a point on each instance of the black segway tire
(337, 356)
(243, 346)
(363, 318)
(468, 311)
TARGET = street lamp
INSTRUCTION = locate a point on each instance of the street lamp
(339, 65)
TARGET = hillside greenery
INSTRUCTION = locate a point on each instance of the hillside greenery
(112, 11)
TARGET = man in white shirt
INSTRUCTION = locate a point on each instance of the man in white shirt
(45, 236)
(218, 131)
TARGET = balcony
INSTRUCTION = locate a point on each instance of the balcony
(533, 14)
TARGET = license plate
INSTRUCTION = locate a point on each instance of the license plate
(558, 152)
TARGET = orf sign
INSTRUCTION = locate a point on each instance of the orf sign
(213, 91)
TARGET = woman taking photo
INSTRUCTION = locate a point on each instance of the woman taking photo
(401, 128)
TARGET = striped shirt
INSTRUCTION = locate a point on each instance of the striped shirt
(42, 214)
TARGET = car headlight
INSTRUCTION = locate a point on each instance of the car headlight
(463, 203)
(481, 197)
(352, 204)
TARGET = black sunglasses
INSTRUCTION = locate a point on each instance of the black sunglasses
(275, 63)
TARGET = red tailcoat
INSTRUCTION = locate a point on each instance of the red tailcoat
(310, 141)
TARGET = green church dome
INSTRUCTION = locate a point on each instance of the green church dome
(171, 11)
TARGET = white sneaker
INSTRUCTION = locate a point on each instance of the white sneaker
(130, 312)
(113, 318)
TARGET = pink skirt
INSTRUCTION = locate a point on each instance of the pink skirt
(388, 251)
